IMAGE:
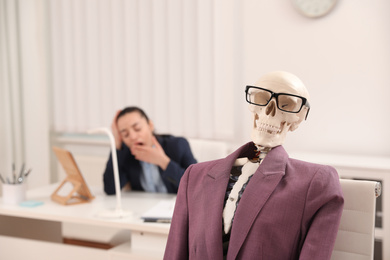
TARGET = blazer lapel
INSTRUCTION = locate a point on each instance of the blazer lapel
(214, 193)
(215, 185)
(256, 194)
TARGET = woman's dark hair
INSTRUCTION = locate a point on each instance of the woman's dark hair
(131, 110)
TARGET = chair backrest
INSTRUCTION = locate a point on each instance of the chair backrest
(206, 150)
(355, 238)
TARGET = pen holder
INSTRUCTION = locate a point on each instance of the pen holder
(14, 193)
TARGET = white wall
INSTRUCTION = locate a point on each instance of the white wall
(343, 58)
(36, 110)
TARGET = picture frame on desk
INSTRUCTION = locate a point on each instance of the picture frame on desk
(78, 191)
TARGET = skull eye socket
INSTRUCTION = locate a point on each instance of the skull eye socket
(286, 102)
(259, 97)
(289, 103)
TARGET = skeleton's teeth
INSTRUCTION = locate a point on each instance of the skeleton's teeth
(267, 128)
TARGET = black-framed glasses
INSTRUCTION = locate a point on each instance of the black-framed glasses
(286, 102)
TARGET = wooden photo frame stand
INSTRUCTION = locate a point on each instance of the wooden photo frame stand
(80, 192)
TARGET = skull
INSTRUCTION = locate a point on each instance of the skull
(283, 113)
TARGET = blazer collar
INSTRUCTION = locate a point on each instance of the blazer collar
(274, 162)
(223, 166)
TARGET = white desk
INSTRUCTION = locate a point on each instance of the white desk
(35, 233)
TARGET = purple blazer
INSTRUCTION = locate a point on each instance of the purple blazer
(290, 210)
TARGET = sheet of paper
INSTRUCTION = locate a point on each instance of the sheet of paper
(161, 212)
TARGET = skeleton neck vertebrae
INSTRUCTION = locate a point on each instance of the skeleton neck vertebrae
(261, 152)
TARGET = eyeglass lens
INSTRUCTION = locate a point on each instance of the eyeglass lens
(285, 102)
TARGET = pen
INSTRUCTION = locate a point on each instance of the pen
(27, 173)
(13, 173)
(157, 220)
(21, 171)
